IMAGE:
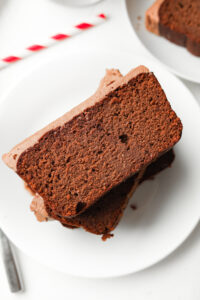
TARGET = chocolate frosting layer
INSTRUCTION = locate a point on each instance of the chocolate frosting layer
(37, 206)
(152, 17)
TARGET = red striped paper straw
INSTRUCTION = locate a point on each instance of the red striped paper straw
(52, 40)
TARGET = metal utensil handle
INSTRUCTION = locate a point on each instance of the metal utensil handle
(10, 266)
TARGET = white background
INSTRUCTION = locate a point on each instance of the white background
(22, 23)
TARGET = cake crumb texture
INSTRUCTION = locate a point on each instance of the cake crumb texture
(178, 21)
(74, 165)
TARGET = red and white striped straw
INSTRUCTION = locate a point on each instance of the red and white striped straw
(94, 21)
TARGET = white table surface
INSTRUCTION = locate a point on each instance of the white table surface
(24, 22)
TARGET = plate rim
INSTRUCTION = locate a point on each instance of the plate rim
(58, 57)
(123, 274)
(172, 70)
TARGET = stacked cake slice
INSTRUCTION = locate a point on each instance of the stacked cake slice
(105, 214)
(84, 166)
(176, 20)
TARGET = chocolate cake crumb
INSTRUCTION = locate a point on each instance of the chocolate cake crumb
(178, 21)
(106, 236)
(134, 207)
(160, 164)
(106, 213)
(141, 120)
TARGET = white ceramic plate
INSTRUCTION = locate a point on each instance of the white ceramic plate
(177, 59)
(168, 207)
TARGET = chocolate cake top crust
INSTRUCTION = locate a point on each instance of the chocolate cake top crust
(100, 144)
(105, 214)
(178, 21)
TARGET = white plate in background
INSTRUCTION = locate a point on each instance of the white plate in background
(176, 58)
(169, 206)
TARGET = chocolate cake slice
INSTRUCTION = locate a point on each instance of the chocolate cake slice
(105, 214)
(77, 159)
(178, 21)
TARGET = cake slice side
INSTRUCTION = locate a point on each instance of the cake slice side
(152, 18)
(177, 21)
(106, 213)
(111, 81)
